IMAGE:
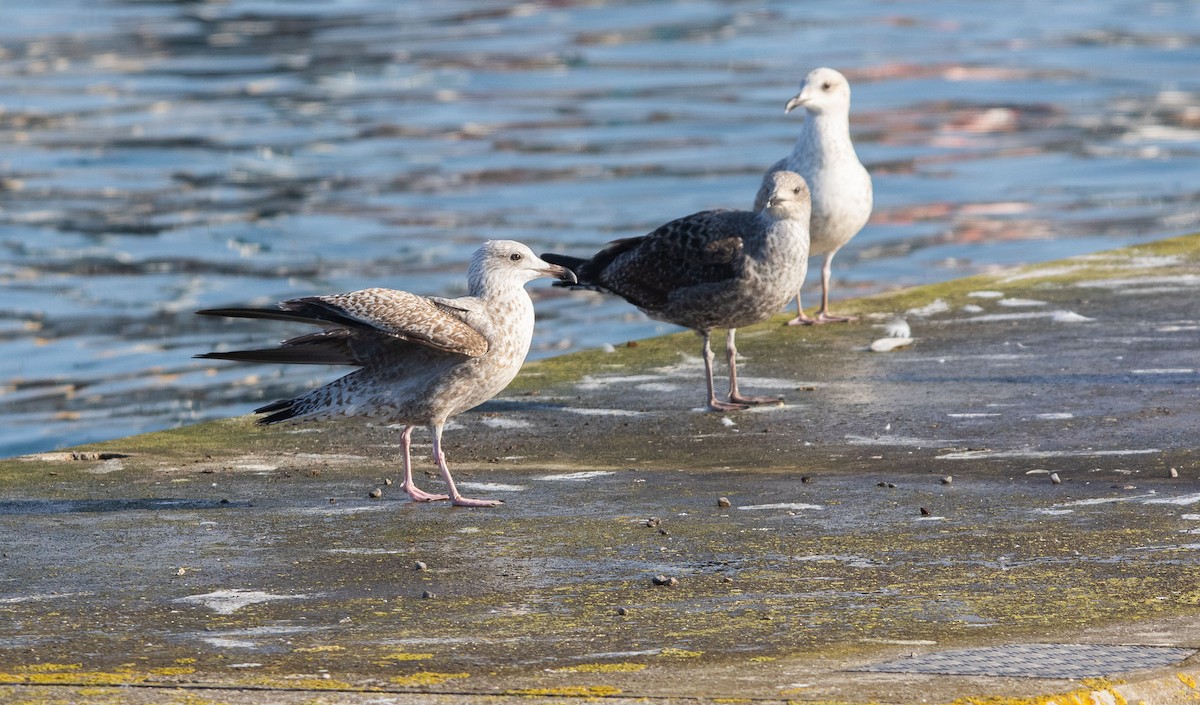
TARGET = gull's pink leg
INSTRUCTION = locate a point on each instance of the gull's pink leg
(735, 396)
(801, 319)
(714, 403)
(417, 494)
(824, 316)
(435, 430)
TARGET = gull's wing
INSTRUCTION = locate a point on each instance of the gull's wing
(698, 249)
(407, 317)
(358, 325)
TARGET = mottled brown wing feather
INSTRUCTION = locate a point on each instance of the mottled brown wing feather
(701, 248)
(407, 317)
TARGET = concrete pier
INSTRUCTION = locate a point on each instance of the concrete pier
(1005, 510)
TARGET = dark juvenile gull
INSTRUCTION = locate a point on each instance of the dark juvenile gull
(841, 186)
(421, 359)
(712, 269)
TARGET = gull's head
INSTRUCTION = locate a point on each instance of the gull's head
(787, 196)
(823, 91)
(504, 262)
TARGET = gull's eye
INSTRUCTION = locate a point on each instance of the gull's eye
(516, 257)
(796, 190)
(826, 86)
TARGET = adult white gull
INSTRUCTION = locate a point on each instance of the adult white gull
(840, 184)
(421, 359)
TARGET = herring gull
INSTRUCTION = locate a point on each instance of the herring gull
(712, 269)
(421, 359)
(841, 186)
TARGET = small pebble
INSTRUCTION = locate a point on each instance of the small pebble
(426, 595)
(664, 580)
(1054, 478)
(181, 571)
(420, 565)
(888, 485)
(653, 522)
(332, 500)
(664, 532)
(375, 493)
(1174, 472)
(387, 480)
(925, 512)
(724, 503)
(805, 478)
(947, 479)
(622, 611)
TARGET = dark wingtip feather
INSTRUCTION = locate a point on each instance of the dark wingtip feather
(270, 314)
(232, 312)
(283, 409)
(284, 355)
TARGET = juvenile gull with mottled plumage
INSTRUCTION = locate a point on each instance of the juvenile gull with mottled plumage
(841, 186)
(421, 360)
(712, 269)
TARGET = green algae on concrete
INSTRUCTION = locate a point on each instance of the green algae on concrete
(842, 545)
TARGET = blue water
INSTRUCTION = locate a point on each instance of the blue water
(160, 157)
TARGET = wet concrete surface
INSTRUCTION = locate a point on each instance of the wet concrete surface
(1025, 473)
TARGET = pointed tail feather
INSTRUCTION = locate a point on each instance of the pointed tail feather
(590, 271)
(571, 263)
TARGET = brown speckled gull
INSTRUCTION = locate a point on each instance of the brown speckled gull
(421, 360)
(712, 269)
(841, 186)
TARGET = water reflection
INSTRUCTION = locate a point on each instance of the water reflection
(162, 157)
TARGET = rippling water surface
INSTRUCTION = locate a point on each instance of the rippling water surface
(160, 157)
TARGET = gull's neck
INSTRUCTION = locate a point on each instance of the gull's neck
(782, 235)
(504, 313)
(509, 296)
(823, 136)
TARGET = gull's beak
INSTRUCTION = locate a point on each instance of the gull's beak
(560, 272)
(800, 99)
